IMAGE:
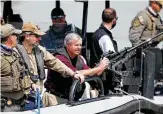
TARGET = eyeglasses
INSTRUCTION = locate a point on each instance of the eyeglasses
(57, 17)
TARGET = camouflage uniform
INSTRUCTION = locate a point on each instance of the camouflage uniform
(145, 25)
(53, 40)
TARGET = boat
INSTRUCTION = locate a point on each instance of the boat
(123, 102)
(126, 104)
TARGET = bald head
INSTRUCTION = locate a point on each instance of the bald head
(108, 15)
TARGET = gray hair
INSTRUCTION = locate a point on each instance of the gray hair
(71, 36)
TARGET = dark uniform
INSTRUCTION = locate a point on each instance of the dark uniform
(53, 40)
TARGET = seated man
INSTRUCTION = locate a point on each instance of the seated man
(70, 56)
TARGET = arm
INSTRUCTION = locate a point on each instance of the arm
(106, 44)
(96, 70)
(55, 64)
(86, 70)
(137, 28)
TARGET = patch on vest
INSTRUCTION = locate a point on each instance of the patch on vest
(136, 23)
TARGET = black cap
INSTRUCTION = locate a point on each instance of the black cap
(57, 12)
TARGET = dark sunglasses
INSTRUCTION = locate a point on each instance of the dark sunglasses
(57, 17)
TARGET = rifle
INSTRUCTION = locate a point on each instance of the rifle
(119, 58)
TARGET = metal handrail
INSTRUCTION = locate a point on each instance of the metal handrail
(77, 82)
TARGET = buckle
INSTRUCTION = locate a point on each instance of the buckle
(9, 102)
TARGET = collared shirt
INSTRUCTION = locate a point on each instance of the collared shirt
(106, 44)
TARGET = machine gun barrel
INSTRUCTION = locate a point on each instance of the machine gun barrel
(146, 43)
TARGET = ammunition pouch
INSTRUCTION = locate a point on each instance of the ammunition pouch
(10, 84)
(26, 82)
(17, 79)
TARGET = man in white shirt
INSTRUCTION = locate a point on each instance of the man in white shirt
(102, 38)
(102, 42)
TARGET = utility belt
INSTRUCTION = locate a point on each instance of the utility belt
(27, 102)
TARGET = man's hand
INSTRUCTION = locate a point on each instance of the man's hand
(79, 76)
(34, 87)
(104, 63)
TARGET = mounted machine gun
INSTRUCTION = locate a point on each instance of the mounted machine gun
(118, 59)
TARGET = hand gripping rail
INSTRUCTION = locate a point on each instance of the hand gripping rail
(77, 82)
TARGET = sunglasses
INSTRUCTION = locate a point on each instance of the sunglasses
(57, 17)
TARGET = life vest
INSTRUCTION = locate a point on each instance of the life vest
(39, 61)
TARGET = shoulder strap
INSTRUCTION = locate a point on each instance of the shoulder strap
(25, 57)
(152, 21)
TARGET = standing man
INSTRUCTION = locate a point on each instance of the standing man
(54, 37)
(70, 56)
(103, 41)
(15, 81)
(147, 23)
(36, 57)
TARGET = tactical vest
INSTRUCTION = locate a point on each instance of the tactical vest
(152, 22)
(17, 78)
(39, 60)
(96, 50)
(56, 83)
